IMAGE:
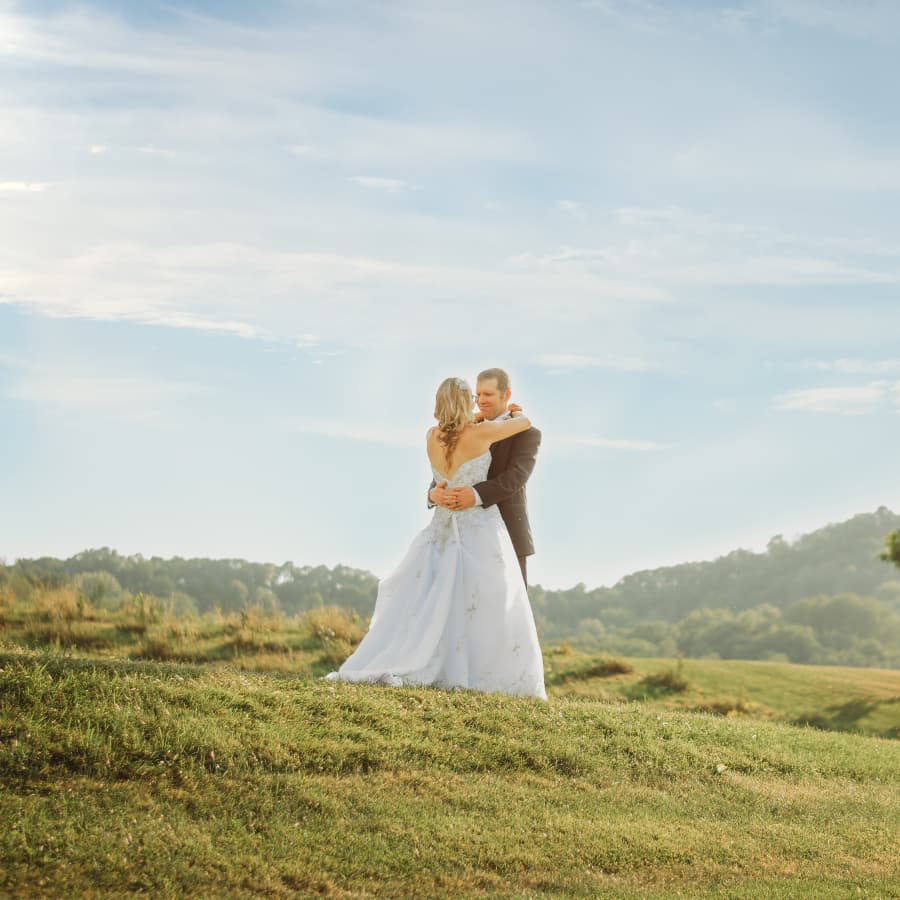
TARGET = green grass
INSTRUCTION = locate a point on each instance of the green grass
(142, 753)
(866, 701)
(124, 777)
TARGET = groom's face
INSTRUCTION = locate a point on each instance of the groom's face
(491, 400)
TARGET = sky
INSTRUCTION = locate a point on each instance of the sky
(242, 244)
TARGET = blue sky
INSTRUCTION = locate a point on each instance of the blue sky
(241, 245)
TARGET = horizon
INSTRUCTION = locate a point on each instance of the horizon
(790, 540)
(241, 247)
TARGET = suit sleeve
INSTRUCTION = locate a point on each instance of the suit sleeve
(428, 503)
(522, 458)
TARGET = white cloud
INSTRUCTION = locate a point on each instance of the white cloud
(572, 207)
(671, 246)
(410, 437)
(34, 187)
(379, 184)
(140, 399)
(151, 150)
(878, 20)
(571, 440)
(845, 401)
(781, 145)
(342, 299)
(578, 361)
(9, 359)
(573, 255)
(97, 149)
(778, 270)
(860, 366)
(683, 220)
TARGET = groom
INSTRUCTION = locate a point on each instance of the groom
(512, 461)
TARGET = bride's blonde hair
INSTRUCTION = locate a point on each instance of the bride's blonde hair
(453, 405)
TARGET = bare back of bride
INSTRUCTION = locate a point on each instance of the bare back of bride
(455, 612)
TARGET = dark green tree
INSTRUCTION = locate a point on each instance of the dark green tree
(892, 554)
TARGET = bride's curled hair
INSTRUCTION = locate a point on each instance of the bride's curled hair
(453, 410)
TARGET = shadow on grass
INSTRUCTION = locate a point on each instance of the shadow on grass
(594, 668)
(847, 716)
(660, 684)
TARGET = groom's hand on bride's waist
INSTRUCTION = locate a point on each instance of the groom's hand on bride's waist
(460, 498)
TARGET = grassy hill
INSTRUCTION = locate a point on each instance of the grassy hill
(830, 697)
(837, 698)
(167, 778)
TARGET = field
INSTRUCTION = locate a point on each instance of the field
(228, 769)
(866, 701)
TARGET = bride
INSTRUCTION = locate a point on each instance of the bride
(455, 612)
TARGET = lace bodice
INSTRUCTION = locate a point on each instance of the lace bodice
(445, 524)
(470, 472)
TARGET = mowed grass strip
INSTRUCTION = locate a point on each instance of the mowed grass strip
(134, 777)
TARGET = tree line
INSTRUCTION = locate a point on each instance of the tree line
(827, 597)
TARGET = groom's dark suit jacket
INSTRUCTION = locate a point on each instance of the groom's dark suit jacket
(512, 462)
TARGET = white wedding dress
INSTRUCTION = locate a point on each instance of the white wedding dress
(455, 612)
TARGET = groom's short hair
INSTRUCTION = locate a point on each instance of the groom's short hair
(499, 376)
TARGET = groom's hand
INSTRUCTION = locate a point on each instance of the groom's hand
(438, 495)
(460, 498)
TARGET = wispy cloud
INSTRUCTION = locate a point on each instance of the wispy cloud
(779, 270)
(380, 184)
(137, 399)
(859, 366)
(33, 187)
(151, 150)
(576, 361)
(342, 299)
(11, 360)
(304, 151)
(571, 440)
(880, 22)
(571, 207)
(844, 401)
(371, 433)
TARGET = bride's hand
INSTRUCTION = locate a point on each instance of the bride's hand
(515, 409)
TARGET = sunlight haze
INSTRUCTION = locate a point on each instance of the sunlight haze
(241, 245)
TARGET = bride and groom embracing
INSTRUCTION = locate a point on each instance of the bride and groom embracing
(455, 612)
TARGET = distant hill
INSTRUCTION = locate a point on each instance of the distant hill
(840, 558)
(825, 597)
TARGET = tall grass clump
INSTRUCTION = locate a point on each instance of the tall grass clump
(332, 631)
(255, 630)
(7, 599)
(671, 680)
